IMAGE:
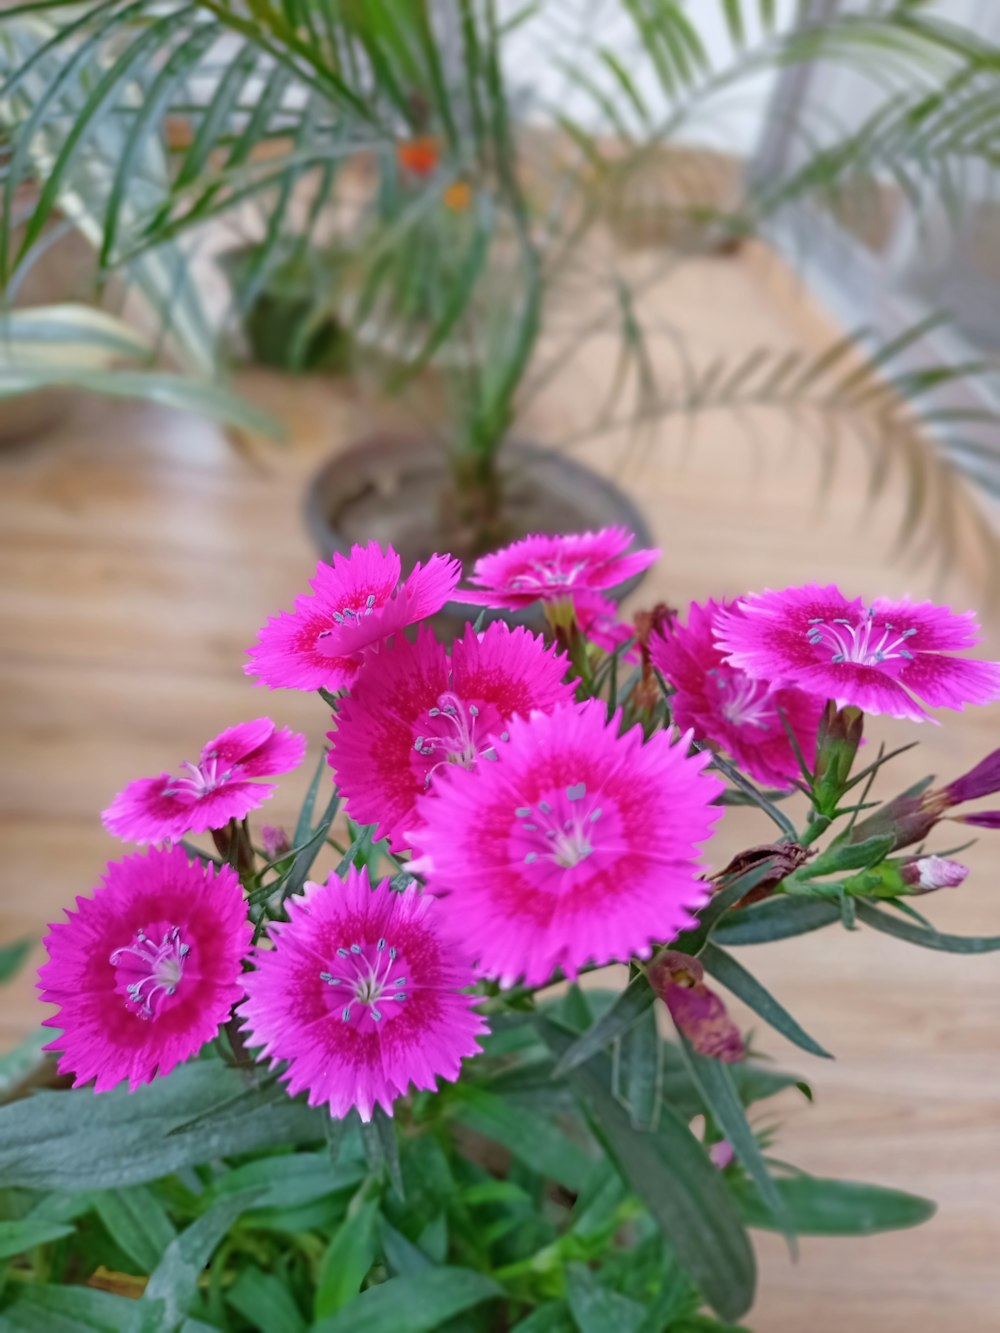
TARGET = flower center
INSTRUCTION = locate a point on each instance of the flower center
(451, 735)
(147, 973)
(561, 830)
(372, 981)
(351, 614)
(743, 702)
(548, 574)
(866, 642)
(203, 777)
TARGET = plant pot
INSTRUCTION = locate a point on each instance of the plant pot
(388, 488)
(283, 327)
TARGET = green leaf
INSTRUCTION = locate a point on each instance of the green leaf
(76, 1141)
(401, 1255)
(553, 1317)
(722, 1100)
(533, 1140)
(778, 918)
(264, 1301)
(927, 939)
(596, 1309)
(735, 977)
(850, 856)
(289, 1180)
(27, 1232)
(136, 1221)
(347, 1260)
(671, 1173)
(41, 1308)
(12, 957)
(638, 1070)
(173, 1284)
(627, 1009)
(381, 1146)
(417, 1304)
(819, 1207)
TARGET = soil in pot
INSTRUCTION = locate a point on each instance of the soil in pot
(389, 489)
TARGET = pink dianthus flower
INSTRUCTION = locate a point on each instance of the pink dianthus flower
(212, 792)
(554, 568)
(361, 995)
(146, 970)
(882, 658)
(412, 712)
(356, 602)
(725, 706)
(576, 845)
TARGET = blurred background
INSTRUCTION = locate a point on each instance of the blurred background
(283, 276)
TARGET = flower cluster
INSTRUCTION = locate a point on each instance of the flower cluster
(538, 829)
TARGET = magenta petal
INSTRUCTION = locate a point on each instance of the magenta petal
(283, 750)
(141, 812)
(216, 808)
(952, 682)
(939, 629)
(980, 819)
(235, 743)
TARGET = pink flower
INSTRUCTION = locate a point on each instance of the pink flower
(924, 874)
(212, 792)
(576, 845)
(721, 1154)
(724, 705)
(881, 658)
(554, 568)
(146, 970)
(356, 602)
(361, 995)
(411, 713)
(597, 617)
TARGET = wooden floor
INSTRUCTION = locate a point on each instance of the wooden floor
(140, 554)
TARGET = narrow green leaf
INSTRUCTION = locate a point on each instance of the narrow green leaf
(381, 1146)
(303, 825)
(44, 1308)
(850, 856)
(418, 1304)
(927, 939)
(347, 1260)
(12, 957)
(821, 1207)
(531, 1138)
(723, 1102)
(265, 1301)
(671, 1173)
(26, 1233)
(74, 1141)
(638, 1070)
(553, 1317)
(779, 918)
(401, 1255)
(174, 1281)
(137, 1221)
(631, 1004)
(735, 977)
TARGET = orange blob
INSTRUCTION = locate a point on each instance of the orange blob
(458, 196)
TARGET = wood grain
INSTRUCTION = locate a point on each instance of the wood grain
(141, 552)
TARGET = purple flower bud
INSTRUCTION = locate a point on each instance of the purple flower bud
(983, 780)
(924, 874)
(274, 841)
(721, 1154)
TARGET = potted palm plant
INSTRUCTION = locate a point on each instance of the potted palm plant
(280, 108)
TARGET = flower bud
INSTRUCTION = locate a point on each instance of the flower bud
(721, 1154)
(274, 841)
(698, 1012)
(924, 874)
(836, 745)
